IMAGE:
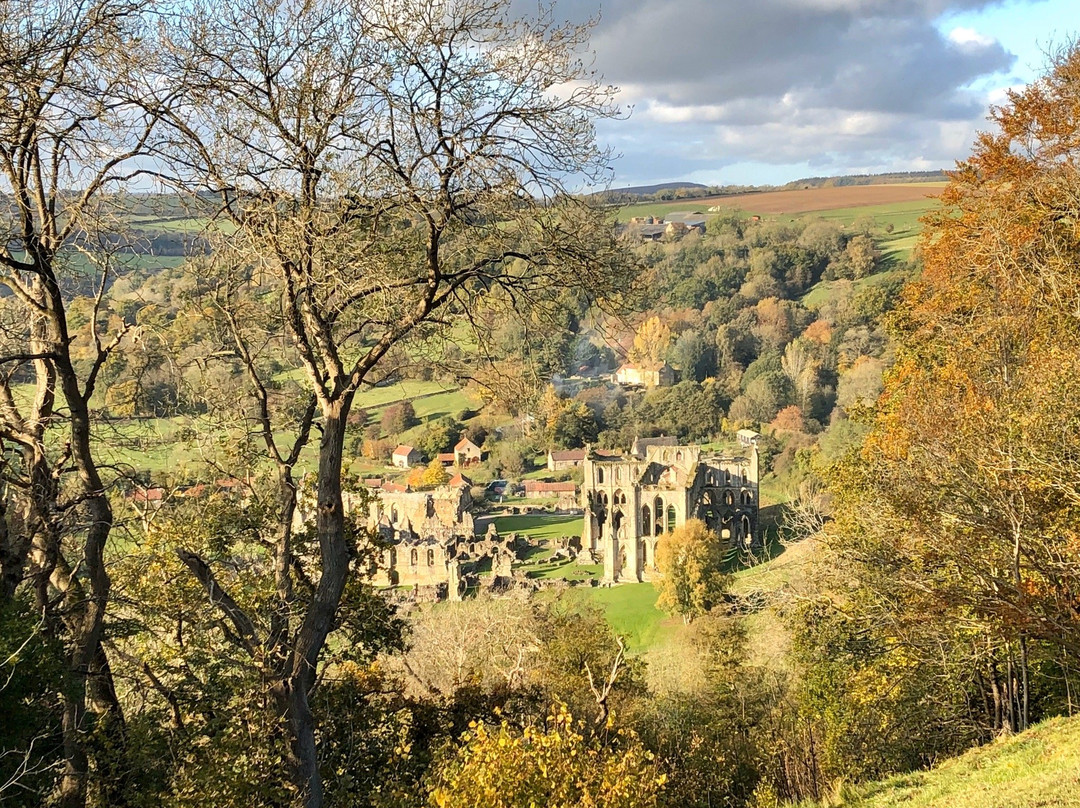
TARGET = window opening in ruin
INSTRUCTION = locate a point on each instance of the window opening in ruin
(431, 558)
(414, 559)
(646, 520)
(670, 518)
(599, 475)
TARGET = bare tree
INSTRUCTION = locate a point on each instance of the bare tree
(384, 168)
(807, 512)
(69, 138)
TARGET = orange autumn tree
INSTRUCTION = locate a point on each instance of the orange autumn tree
(967, 489)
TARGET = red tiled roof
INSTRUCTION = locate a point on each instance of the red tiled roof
(404, 449)
(373, 482)
(394, 488)
(465, 443)
(459, 481)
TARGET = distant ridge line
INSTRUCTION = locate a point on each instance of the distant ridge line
(696, 190)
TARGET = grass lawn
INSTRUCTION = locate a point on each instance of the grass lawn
(538, 527)
(568, 570)
(631, 611)
(1035, 769)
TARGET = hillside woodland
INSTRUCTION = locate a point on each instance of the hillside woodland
(224, 229)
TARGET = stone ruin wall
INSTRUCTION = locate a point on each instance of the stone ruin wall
(631, 502)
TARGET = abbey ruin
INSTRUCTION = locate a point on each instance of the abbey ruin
(630, 502)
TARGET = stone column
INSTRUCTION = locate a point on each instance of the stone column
(453, 584)
(611, 558)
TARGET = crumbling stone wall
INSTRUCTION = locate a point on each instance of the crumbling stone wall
(630, 502)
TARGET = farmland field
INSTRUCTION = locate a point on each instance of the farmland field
(825, 199)
(810, 200)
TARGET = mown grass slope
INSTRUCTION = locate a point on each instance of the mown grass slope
(1039, 768)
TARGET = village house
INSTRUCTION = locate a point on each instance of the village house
(406, 456)
(467, 453)
(563, 459)
(645, 374)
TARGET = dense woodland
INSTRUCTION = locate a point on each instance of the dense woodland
(336, 228)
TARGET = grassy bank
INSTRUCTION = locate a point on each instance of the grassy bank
(1035, 769)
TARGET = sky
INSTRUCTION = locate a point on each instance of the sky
(767, 91)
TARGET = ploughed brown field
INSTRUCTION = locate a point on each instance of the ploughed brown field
(811, 199)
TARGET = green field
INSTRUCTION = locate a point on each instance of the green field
(1039, 768)
(821, 292)
(631, 611)
(408, 390)
(159, 445)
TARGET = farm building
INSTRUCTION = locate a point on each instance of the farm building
(406, 456)
(747, 437)
(540, 489)
(645, 374)
(563, 459)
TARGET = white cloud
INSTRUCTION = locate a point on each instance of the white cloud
(969, 38)
(826, 86)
